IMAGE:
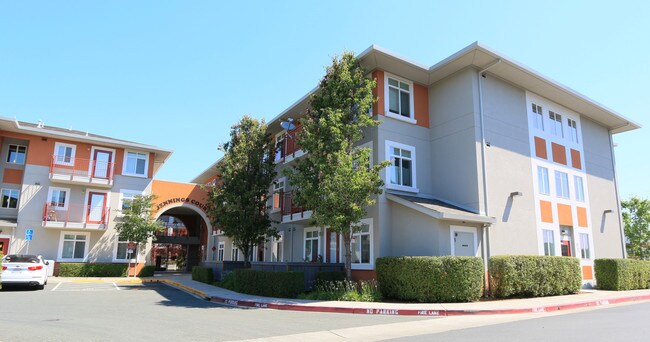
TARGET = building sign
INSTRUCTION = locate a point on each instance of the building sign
(196, 203)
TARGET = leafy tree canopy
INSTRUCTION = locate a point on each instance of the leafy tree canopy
(636, 216)
(138, 224)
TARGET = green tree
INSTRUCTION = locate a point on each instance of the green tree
(636, 216)
(138, 224)
(335, 179)
(237, 203)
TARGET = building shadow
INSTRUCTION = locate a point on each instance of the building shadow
(176, 298)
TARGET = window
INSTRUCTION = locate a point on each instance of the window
(585, 251)
(561, 184)
(542, 180)
(58, 198)
(361, 245)
(135, 164)
(556, 124)
(402, 173)
(122, 251)
(74, 246)
(279, 146)
(220, 250)
(399, 95)
(549, 242)
(10, 198)
(64, 154)
(538, 117)
(580, 189)
(234, 253)
(126, 196)
(16, 154)
(277, 250)
(312, 244)
(278, 190)
(573, 130)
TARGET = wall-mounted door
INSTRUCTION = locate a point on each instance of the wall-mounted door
(96, 207)
(102, 163)
(566, 247)
(463, 241)
(4, 246)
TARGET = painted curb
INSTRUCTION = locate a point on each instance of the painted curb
(179, 286)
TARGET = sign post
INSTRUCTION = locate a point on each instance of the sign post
(130, 248)
(29, 235)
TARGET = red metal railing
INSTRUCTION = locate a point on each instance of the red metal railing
(290, 144)
(288, 207)
(80, 167)
(58, 212)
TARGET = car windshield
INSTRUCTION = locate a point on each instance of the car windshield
(21, 258)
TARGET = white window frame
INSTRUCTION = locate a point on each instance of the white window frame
(390, 114)
(122, 197)
(556, 124)
(280, 136)
(454, 229)
(304, 242)
(538, 116)
(585, 246)
(277, 248)
(221, 251)
(9, 154)
(67, 197)
(234, 253)
(62, 240)
(389, 146)
(72, 154)
(371, 264)
(562, 188)
(115, 248)
(277, 188)
(545, 235)
(579, 188)
(146, 164)
(543, 181)
(2, 192)
(573, 130)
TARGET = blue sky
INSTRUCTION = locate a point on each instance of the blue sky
(177, 74)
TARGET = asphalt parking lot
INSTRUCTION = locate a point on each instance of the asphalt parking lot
(94, 311)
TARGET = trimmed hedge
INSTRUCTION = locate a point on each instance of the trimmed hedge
(330, 276)
(622, 274)
(202, 274)
(269, 283)
(431, 279)
(147, 271)
(534, 276)
(74, 269)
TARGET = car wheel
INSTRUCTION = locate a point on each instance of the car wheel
(41, 287)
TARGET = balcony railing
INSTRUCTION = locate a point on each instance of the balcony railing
(58, 215)
(80, 170)
(290, 148)
(290, 211)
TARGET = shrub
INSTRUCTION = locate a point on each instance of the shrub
(227, 281)
(268, 283)
(431, 279)
(147, 271)
(330, 276)
(75, 269)
(534, 276)
(622, 274)
(202, 274)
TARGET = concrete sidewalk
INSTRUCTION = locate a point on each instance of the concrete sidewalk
(587, 298)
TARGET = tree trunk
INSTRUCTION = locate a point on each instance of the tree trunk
(348, 254)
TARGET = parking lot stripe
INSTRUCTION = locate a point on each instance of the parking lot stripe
(116, 287)
(57, 285)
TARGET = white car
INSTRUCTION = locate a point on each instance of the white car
(24, 270)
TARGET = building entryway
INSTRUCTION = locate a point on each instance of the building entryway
(183, 242)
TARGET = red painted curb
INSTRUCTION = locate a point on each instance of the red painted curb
(416, 312)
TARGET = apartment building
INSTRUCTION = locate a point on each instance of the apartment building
(68, 188)
(488, 158)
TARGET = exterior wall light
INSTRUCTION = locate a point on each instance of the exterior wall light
(516, 193)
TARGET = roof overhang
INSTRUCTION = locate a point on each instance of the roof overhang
(440, 213)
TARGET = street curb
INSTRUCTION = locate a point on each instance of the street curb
(180, 286)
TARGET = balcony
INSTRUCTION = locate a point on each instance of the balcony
(290, 149)
(91, 217)
(81, 171)
(291, 212)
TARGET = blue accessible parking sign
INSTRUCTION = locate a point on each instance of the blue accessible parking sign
(29, 234)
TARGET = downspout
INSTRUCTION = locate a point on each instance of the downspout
(618, 198)
(485, 246)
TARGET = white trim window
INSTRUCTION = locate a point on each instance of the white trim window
(122, 250)
(64, 153)
(361, 245)
(538, 117)
(542, 181)
(277, 248)
(580, 188)
(399, 98)
(573, 130)
(280, 145)
(10, 198)
(135, 164)
(311, 247)
(126, 196)
(562, 184)
(234, 253)
(16, 154)
(278, 189)
(220, 250)
(73, 246)
(549, 242)
(401, 175)
(585, 249)
(58, 198)
(556, 124)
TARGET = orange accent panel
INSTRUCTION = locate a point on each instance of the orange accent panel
(421, 104)
(587, 273)
(546, 209)
(575, 159)
(565, 217)
(12, 176)
(151, 160)
(540, 148)
(378, 93)
(171, 191)
(582, 217)
(119, 161)
(559, 153)
(358, 275)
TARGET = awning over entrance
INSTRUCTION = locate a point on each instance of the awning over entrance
(438, 209)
